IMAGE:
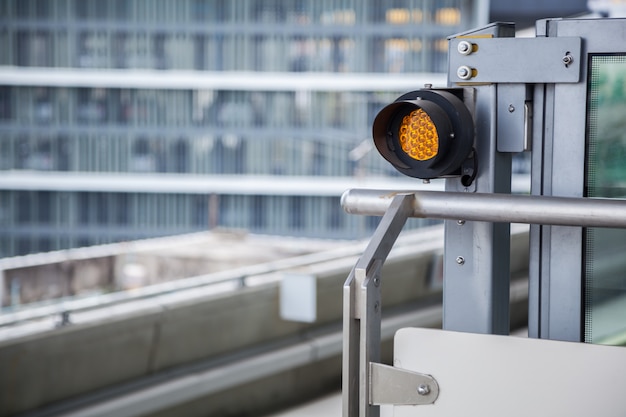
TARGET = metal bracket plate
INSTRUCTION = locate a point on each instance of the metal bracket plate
(514, 60)
(514, 118)
(391, 385)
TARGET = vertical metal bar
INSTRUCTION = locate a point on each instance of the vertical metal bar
(476, 254)
(536, 188)
(362, 310)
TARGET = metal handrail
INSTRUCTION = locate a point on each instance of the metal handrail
(497, 208)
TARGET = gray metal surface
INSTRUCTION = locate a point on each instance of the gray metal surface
(393, 385)
(514, 118)
(517, 60)
(476, 261)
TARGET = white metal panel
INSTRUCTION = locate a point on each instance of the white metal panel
(489, 375)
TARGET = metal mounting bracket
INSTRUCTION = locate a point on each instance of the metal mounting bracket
(391, 385)
(487, 60)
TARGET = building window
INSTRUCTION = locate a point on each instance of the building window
(5, 103)
(258, 217)
(296, 212)
(92, 107)
(34, 49)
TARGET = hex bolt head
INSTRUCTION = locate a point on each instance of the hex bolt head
(423, 389)
(568, 59)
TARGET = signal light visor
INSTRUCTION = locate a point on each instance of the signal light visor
(425, 134)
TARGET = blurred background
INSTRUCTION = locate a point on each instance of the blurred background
(130, 119)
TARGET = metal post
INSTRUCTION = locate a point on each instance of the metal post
(362, 310)
(476, 255)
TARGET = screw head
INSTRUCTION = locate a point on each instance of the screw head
(568, 59)
(460, 260)
(423, 389)
(464, 48)
(511, 108)
(464, 72)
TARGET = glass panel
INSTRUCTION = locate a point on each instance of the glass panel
(605, 263)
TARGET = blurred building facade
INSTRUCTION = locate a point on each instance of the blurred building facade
(103, 103)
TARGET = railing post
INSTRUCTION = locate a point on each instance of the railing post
(362, 310)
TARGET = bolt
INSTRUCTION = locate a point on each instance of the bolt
(426, 181)
(511, 108)
(464, 48)
(423, 389)
(460, 222)
(428, 85)
(376, 306)
(376, 282)
(460, 260)
(568, 59)
(464, 72)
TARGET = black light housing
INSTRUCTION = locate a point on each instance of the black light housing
(426, 134)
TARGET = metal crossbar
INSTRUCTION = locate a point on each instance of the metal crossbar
(497, 208)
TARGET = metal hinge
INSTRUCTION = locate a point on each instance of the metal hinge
(391, 385)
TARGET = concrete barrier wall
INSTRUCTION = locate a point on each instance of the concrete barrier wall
(130, 265)
(59, 364)
(29, 284)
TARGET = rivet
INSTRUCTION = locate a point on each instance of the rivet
(511, 108)
(460, 222)
(423, 389)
